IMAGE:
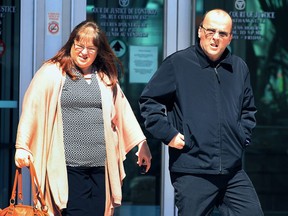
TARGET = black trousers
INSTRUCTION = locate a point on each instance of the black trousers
(233, 194)
(86, 194)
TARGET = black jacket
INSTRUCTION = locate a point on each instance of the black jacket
(211, 103)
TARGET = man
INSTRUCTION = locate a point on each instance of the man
(200, 103)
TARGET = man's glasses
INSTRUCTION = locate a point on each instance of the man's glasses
(80, 48)
(211, 32)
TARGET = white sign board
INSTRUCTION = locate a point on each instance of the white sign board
(142, 63)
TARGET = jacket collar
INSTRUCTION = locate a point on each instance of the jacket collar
(205, 62)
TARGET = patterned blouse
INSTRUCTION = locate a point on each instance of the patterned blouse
(83, 122)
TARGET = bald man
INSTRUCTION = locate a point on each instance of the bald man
(200, 103)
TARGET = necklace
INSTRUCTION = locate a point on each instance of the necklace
(87, 76)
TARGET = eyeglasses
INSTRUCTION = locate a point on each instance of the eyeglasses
(80, 48)
(211, 32)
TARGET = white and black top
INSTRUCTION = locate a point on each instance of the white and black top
(83, 122)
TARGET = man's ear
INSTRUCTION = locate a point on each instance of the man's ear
(231, 37)
(199, 32)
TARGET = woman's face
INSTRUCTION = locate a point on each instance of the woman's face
(84, 52)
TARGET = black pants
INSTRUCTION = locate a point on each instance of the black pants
(233, 194)
(86, 195)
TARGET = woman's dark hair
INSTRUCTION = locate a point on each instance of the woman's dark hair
(106, 61)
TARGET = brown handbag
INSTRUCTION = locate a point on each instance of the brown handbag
(25, 210)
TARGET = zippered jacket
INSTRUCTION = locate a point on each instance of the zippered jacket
(211, 103)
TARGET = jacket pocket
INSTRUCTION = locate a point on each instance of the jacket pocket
(242, 134)
(188, 136)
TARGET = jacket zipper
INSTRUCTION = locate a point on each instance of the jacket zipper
(220, 156)
(217, 75)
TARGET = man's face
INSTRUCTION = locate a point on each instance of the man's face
(215, 34)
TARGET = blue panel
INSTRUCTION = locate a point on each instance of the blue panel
(8, 104)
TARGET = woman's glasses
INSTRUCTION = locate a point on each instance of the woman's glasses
(80, 48)
(211, 32)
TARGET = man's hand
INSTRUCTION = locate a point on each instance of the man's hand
(177, 142)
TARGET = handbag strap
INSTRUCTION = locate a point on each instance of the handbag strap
(16, 180)
(35, 187)
(37, 193)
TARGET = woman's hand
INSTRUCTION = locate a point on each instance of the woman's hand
(22, 157)
(144, 155)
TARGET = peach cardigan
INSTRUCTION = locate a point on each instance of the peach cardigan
(40, 131)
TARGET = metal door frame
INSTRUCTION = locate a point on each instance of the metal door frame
(178, 34)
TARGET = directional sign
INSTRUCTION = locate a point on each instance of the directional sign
(118, 47)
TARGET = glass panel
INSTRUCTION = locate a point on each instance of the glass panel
(135, 32)
(260, 38)
(268, 57)
(9, 79)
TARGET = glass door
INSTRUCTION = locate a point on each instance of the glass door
(260, 39)
(135, 32)
(9, 93)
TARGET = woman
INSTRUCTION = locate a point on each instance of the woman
(77, 126)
